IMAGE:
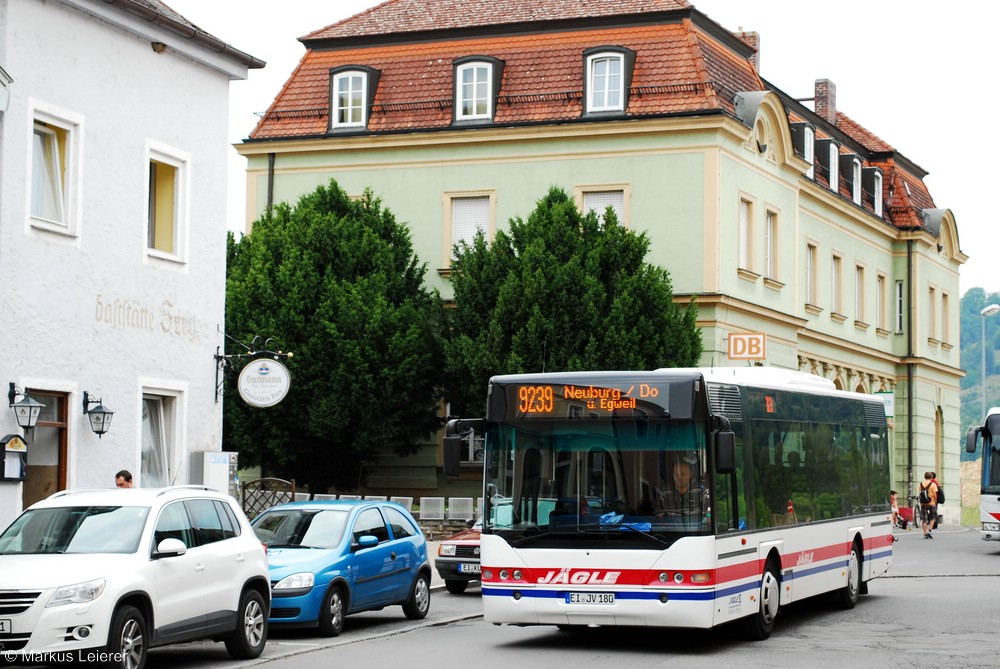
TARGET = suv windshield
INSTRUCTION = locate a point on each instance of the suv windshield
(75, 529)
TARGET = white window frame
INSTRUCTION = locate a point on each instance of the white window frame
(809, 151)
(932, 315)
(598, 95)
(945, 320)
(812, 280)
(771, 244)
(180, 161)
(614, 195)
(746, 234)
(877, 195)
(165, 427)
(880, 301)
(477, 91)
(357, 93)
(900, 300)
(856, 181)
(834, 167)
(62, 135)
(455, 229)
(837, 283)
(859, 293)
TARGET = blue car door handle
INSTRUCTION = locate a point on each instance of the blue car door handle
(392, 555)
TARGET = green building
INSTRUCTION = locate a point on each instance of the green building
(807, 241)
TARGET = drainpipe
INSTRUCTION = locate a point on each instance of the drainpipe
(909, 365)
(270, 181)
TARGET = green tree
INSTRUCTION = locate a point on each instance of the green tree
(560, 292)
(337, 283)
(971, 336)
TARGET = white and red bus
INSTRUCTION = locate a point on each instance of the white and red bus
(585, 523)
(989, 499)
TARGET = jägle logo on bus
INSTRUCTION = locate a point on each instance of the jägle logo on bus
(580, 577)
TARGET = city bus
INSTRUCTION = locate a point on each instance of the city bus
(989, 499)
(588, 521)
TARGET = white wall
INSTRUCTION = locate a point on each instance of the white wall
(92, 310)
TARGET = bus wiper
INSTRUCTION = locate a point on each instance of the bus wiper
(646, 535)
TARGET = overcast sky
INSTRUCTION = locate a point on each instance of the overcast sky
(916, 73)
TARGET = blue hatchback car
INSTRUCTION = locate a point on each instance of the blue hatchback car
(328, 559)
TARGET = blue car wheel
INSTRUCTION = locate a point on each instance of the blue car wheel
(419, 603)
(331, 612)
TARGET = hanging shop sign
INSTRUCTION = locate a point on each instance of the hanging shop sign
(264, 382)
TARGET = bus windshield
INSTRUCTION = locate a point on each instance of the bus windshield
(625, 480)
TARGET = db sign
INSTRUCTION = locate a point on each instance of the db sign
(747, 346)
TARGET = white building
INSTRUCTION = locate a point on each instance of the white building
(113, 152)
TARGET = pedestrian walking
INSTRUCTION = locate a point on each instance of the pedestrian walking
(928, 504)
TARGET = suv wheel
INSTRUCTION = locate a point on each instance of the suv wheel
(248, 639)
(127, 641)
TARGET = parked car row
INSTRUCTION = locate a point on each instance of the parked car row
(110, 573)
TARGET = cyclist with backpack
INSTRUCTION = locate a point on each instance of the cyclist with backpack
(928, 498)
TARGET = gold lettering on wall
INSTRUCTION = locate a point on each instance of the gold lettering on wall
(131, 314)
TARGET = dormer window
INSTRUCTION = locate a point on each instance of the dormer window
(803, 138)
(850, 166)
(352, 91)
(828, 157)
(609, 76)
(477, 84)
(871, 180)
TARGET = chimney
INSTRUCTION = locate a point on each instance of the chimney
(753, 39)
(825, 102)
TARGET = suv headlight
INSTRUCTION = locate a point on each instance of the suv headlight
(78, 593)
(446, 550)
(303, 579)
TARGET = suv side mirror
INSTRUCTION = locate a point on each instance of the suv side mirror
(170, 547)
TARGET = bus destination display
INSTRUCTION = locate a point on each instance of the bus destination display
(573, 401)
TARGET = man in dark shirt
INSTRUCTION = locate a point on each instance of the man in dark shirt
(683, 501)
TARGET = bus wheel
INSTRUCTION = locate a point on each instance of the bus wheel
(847, 596)
(759, 625)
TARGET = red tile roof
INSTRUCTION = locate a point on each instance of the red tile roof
(678, 69)
(685, 63)
(409, 16)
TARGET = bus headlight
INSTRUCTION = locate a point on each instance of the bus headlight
(991, 527)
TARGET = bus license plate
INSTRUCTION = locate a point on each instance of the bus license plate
(468, 568)
(5, 626)
(590, 598)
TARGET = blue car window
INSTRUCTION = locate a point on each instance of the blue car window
(325, 530)
(402, 526)
(370, 521)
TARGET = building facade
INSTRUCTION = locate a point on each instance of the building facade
(113, 155)
(806, 241)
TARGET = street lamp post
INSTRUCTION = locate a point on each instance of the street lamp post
(986, 311)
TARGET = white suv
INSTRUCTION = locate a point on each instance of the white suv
(106, 574)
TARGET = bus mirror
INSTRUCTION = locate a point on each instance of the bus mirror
(452, 455)
(725, 452)
(971, 439)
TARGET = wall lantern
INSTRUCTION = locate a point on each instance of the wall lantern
(26, 410)
(100, 416)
